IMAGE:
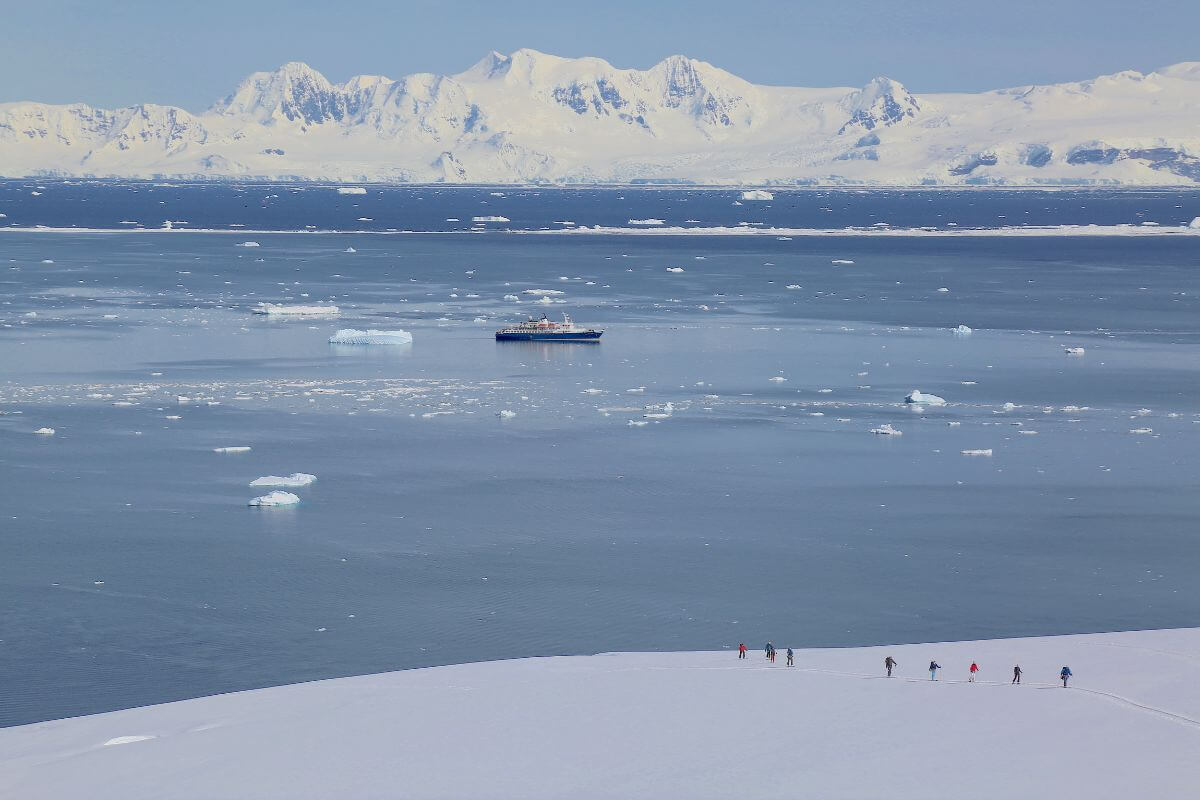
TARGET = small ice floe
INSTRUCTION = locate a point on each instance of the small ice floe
(793, 286)
(276, 498)
(841, 261)
(674, 269)
(173, 417)
(351, 190)
(953, 424)
(122, 403)
(511, 297)
(777, 379)
(943, 290)
(295, 480)
(506, 414)
(917, 396)
(1028, 433)
(962, 330)
(986, 452)
(127, 740)
(349, 250)
(490, 218)
(365, 219)
(886, 429)
(352, 336)
(593, 391)
(647, 222)
(636, 390)
(757, 194)
(249, 244)
(280, 310)
(637, 423)
(1074, 351)
(1010, 406)
(1131, 430)
(234, 449)
(1143, 412)
(544, 292)
(45, 431)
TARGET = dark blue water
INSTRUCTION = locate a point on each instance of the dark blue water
(132, 571)
(99, 204)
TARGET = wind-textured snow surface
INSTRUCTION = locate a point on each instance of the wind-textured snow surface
(650, 725)
(533, 117)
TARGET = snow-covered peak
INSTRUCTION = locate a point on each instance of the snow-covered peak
(294, 93)
(880, 103)
(1185, 70)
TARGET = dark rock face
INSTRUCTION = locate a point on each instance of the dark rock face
(973, 162)
(870, 140)
(1093, 155)
(1036, 155)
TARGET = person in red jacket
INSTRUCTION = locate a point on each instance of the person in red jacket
(742, 650)
(974, 669)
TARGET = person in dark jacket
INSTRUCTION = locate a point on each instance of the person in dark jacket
(1017, 674)
(742, 650)
(888, 663)
(933, 668)
(1065, 674)
(791, 662)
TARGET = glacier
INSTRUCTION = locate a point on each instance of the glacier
(529, 117)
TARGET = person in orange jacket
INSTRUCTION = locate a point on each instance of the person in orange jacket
(974, 669)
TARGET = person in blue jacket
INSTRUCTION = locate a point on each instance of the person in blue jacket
(791, 662)
(933, 668)
(1065, 673)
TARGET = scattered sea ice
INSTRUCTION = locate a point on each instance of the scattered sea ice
(279, 310)
(886, 430)
(352, 336)
(543, 292)
(295, 480)
(276, 498)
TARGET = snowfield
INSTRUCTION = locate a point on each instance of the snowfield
(533, 117)
(652, 725)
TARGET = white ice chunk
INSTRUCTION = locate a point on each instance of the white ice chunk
(962, 330)
(351, 190)
(276, 498)
(235, 449)
(295, 480)
(777, 379)
(543, 291)
(279, 310)
(841, 261)
(756, 194)
(887, 430)
(1074, 351)
(490, 219)
(45, 431)
(352, 336)
(917, 396)
(506, 414)
(249, 244)
(674, 269)
(650, 221)
(1131, 430)
(986, 452)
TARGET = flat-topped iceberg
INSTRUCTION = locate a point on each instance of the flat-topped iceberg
(916, 396)
(352, 336)
(276, 498)
(757, 194)
(295, 480)
(280, 310)
(351, 190)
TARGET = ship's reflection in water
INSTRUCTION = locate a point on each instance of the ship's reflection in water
(558, 352)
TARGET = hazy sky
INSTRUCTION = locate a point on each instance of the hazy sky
(191, 52)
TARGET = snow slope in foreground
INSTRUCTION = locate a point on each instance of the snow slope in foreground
(686, 725)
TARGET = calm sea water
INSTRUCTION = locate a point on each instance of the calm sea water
(132, 570)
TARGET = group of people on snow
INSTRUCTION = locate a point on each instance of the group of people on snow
(890, 664)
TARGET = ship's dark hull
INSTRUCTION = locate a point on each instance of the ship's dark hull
(546, 336)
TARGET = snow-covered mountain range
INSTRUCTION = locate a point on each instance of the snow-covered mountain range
(533, 117)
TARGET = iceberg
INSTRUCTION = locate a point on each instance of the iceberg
(917, 396)
(236, 449)
(276, 498)
(295, 480)
(249, 244)
(351, 190)
(962, 330)
(674, 269)
(352, 336)
(1074, 351)
(1195, 223)
(45, 431)
(757, 194)
(279, 310)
